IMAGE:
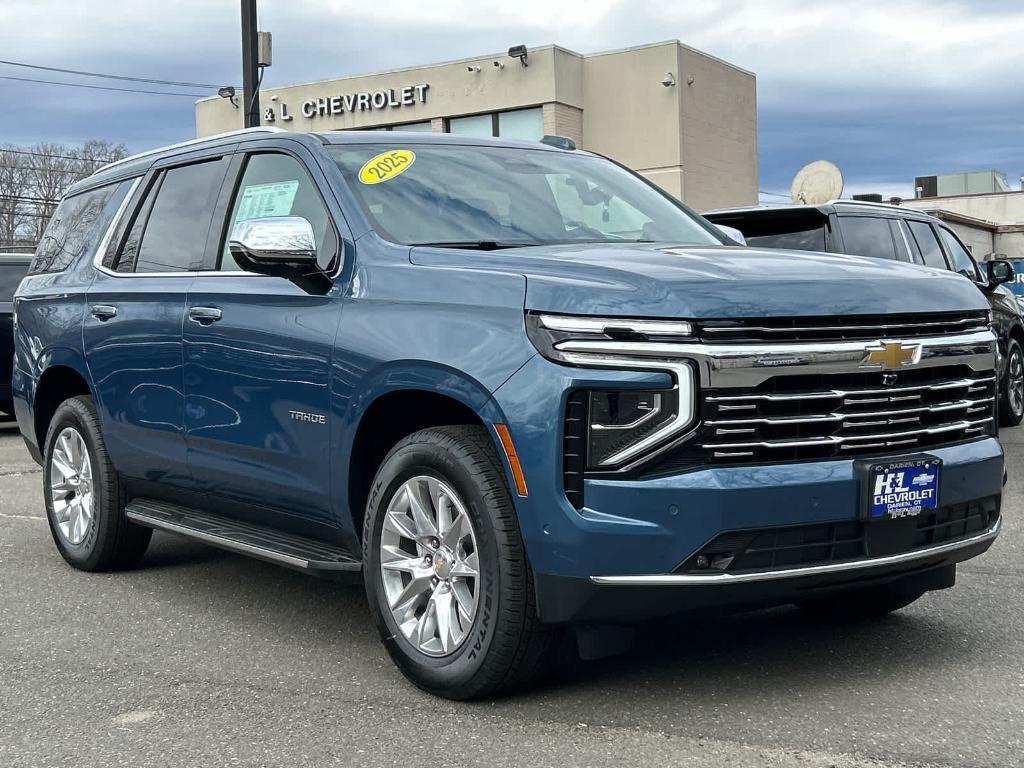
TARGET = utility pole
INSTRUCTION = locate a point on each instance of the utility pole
(250, 74)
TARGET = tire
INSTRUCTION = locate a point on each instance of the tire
(107, 540)
(1011, 391)
(503, 645)
(861, 604)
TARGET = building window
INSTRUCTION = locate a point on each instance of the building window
(474, 125)
(424, 127)
(526, 124)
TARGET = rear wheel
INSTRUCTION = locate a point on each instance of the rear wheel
(82, 494)
(862, 604)
(446, 574)
(1011, 395)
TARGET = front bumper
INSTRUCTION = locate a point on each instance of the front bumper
(618, 557)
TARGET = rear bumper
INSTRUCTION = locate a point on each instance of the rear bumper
(615, 599)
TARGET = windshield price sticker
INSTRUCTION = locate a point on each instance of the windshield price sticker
(903, 489)
(386, 166)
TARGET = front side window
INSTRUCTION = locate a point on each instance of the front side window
(172, 227)
(278, 185)
(962, 261)
(510, 196)
(76, 226)
(867, 236)
(931, 252)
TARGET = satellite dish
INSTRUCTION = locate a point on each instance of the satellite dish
(816, 183)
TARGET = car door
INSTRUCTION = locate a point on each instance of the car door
(258, 353)
(133, 332)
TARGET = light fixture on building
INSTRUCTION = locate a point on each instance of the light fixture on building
(228, 92)
(518, 52)
(668, 80)
(499, 64)
(473, 68)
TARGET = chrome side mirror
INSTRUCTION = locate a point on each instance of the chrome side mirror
(732, 233)
(274, 240)
(280, 246)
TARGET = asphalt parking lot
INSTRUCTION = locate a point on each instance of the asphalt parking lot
(202, 658)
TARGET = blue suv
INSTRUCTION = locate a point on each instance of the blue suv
(514, 386)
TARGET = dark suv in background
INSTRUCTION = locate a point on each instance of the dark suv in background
(882, 231)
(12, 268)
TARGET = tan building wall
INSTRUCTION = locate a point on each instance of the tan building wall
(997, 207)
(696, 138)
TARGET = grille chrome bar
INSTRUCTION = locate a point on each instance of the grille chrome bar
(881, 327)
(845, 440)
(837, 393)
(831, 417)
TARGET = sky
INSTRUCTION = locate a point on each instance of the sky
(886, 90)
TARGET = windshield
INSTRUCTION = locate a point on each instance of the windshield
(489, 196)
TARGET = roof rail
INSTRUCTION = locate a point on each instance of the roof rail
(190, 142)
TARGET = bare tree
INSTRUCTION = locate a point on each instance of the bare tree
(95, 153)
(14, 181)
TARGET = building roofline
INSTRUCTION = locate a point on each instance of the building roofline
(480, 57)
(958, 197)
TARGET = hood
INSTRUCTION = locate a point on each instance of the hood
(716, 281)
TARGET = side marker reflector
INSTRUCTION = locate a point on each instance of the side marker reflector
(513, 458)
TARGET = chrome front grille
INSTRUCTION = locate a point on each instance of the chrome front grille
(841, 328)
(791, 418)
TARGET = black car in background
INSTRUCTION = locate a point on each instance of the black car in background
(12, 269)
(886, 231)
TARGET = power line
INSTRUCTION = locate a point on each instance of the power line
(101, 87)
(4, 151)
(110, 77)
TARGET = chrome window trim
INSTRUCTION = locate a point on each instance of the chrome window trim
(101, 249)
(97, 261)
(712, 579)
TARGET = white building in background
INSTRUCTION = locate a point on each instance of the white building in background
(979, 206)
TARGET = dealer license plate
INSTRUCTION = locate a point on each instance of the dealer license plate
(896, 490)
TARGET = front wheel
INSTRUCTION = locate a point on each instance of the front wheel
(446, 574)
(1011, 394)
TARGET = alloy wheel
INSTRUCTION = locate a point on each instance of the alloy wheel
(1015, 385)
(71, 486)
(429, 563)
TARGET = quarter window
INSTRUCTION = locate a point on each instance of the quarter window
(75, 227)
(278, 185)
(924, 236)
(962, 261)
(866, 236)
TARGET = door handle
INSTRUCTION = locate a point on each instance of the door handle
(103, 312)
(204, 315)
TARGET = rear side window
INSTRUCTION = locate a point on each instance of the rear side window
(76, 227)
(170, 230)
(866, 236)
(797, 233)
(924, 236)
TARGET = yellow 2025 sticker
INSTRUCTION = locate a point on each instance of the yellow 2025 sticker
(386, 166)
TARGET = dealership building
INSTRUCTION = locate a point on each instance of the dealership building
(685, 120)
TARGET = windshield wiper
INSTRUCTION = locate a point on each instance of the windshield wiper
(476, 245)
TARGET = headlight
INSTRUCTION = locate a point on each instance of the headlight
(554, 335)
(620, 420)
(621, 426)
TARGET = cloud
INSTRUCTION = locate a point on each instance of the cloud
(887, 89)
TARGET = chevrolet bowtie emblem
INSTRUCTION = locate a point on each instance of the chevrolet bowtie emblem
(891, 354)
